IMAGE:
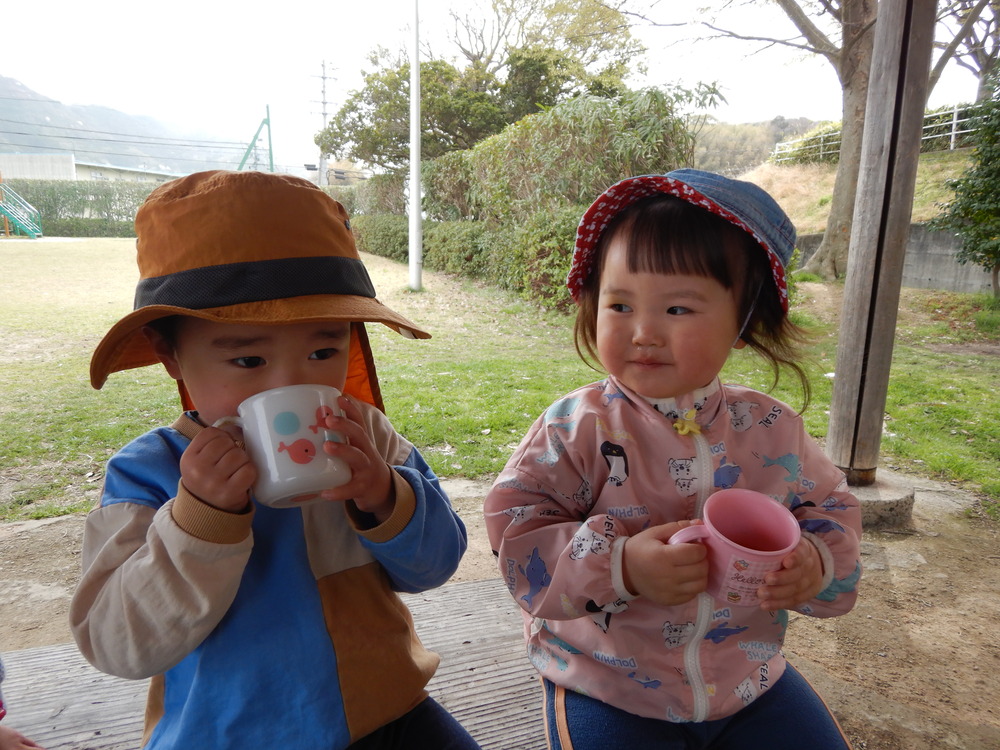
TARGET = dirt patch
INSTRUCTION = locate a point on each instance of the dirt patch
(915, 666)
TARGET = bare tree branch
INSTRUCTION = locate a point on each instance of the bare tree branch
(818, 41)
(770, 41)
(956, 40)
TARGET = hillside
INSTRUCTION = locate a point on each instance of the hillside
(734, 148)
(31, 122)
(804, 191)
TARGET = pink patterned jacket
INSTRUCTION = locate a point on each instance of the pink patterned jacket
(603, 464)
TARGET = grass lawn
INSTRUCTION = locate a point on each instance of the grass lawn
(465, 397)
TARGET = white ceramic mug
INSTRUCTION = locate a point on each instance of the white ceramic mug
(747, 534)
(284, 430)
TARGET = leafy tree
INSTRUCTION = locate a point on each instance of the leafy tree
(974, 214)
(592, 37)
(373, 126)
(528, 56)
(537, 78)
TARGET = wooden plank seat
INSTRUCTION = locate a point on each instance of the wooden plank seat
(56, 698)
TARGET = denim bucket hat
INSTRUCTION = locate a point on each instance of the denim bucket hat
(738, 202)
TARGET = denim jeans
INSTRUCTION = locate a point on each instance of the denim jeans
(428, 725)
(789, 716)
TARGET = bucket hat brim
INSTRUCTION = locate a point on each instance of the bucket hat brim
(125, 347)
(741, 203)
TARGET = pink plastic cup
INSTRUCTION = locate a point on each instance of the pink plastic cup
(747, 534)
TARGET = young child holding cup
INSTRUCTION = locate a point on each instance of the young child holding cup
(263, 625)
(670, 273)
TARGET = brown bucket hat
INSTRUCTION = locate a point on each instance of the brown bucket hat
(247, 247)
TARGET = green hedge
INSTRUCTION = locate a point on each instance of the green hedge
(531, 259)
(108, 200)
(382, 234)
(456, 247)
(75, 227)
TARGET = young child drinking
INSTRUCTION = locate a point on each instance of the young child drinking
(262, 627)
(670, 273)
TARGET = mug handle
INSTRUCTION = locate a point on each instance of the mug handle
(689, 534)
(228, 420)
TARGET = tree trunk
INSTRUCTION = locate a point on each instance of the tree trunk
(830, 258)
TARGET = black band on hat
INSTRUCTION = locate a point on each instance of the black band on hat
(255, 281)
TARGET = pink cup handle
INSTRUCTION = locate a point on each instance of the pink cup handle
(689, 534)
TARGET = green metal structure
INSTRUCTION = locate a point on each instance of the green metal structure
(17, 216)
(270, 152)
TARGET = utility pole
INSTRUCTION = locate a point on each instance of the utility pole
(416, 231)
(323, 179)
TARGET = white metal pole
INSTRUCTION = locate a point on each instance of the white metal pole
(416, 236)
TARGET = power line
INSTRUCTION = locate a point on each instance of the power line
(111, 141)
(220, 160)
(180, 141)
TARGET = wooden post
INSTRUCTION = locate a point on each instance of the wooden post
(890, 148)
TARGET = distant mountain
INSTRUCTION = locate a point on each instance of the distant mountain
(33, 123)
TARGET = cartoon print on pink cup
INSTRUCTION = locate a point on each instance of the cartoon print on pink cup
(747, 534)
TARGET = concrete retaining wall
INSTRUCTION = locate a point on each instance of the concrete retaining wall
(929, 263)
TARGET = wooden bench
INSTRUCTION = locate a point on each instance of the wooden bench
(57, 699)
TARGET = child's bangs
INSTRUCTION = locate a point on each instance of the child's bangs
(670, 236)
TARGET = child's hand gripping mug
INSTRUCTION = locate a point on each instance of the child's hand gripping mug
(284, 430)
(747, 534)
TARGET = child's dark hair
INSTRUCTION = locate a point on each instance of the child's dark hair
(167, 327)
(669, 235)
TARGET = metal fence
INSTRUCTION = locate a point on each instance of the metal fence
(944, 130)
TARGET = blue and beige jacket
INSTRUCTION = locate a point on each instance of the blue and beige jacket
(273, 628)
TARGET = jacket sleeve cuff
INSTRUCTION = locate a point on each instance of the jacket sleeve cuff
(825, 556)
(618, 570)
(402, 513)
(208, 523)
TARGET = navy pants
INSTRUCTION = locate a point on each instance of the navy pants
(428, 725)
(789, 716)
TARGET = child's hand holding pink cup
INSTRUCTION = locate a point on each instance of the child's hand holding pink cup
(748, 535)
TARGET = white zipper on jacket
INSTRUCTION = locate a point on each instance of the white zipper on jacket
(692, 651)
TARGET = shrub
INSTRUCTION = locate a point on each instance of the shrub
(447, 182)
(974, 214)
(110, 200)
(537, 257)
(456, 247)
(382, 234)
(76, 227)
(347, 195)
(561, 156)
(381, 194)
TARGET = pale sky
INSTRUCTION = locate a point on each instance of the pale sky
(213, 67)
